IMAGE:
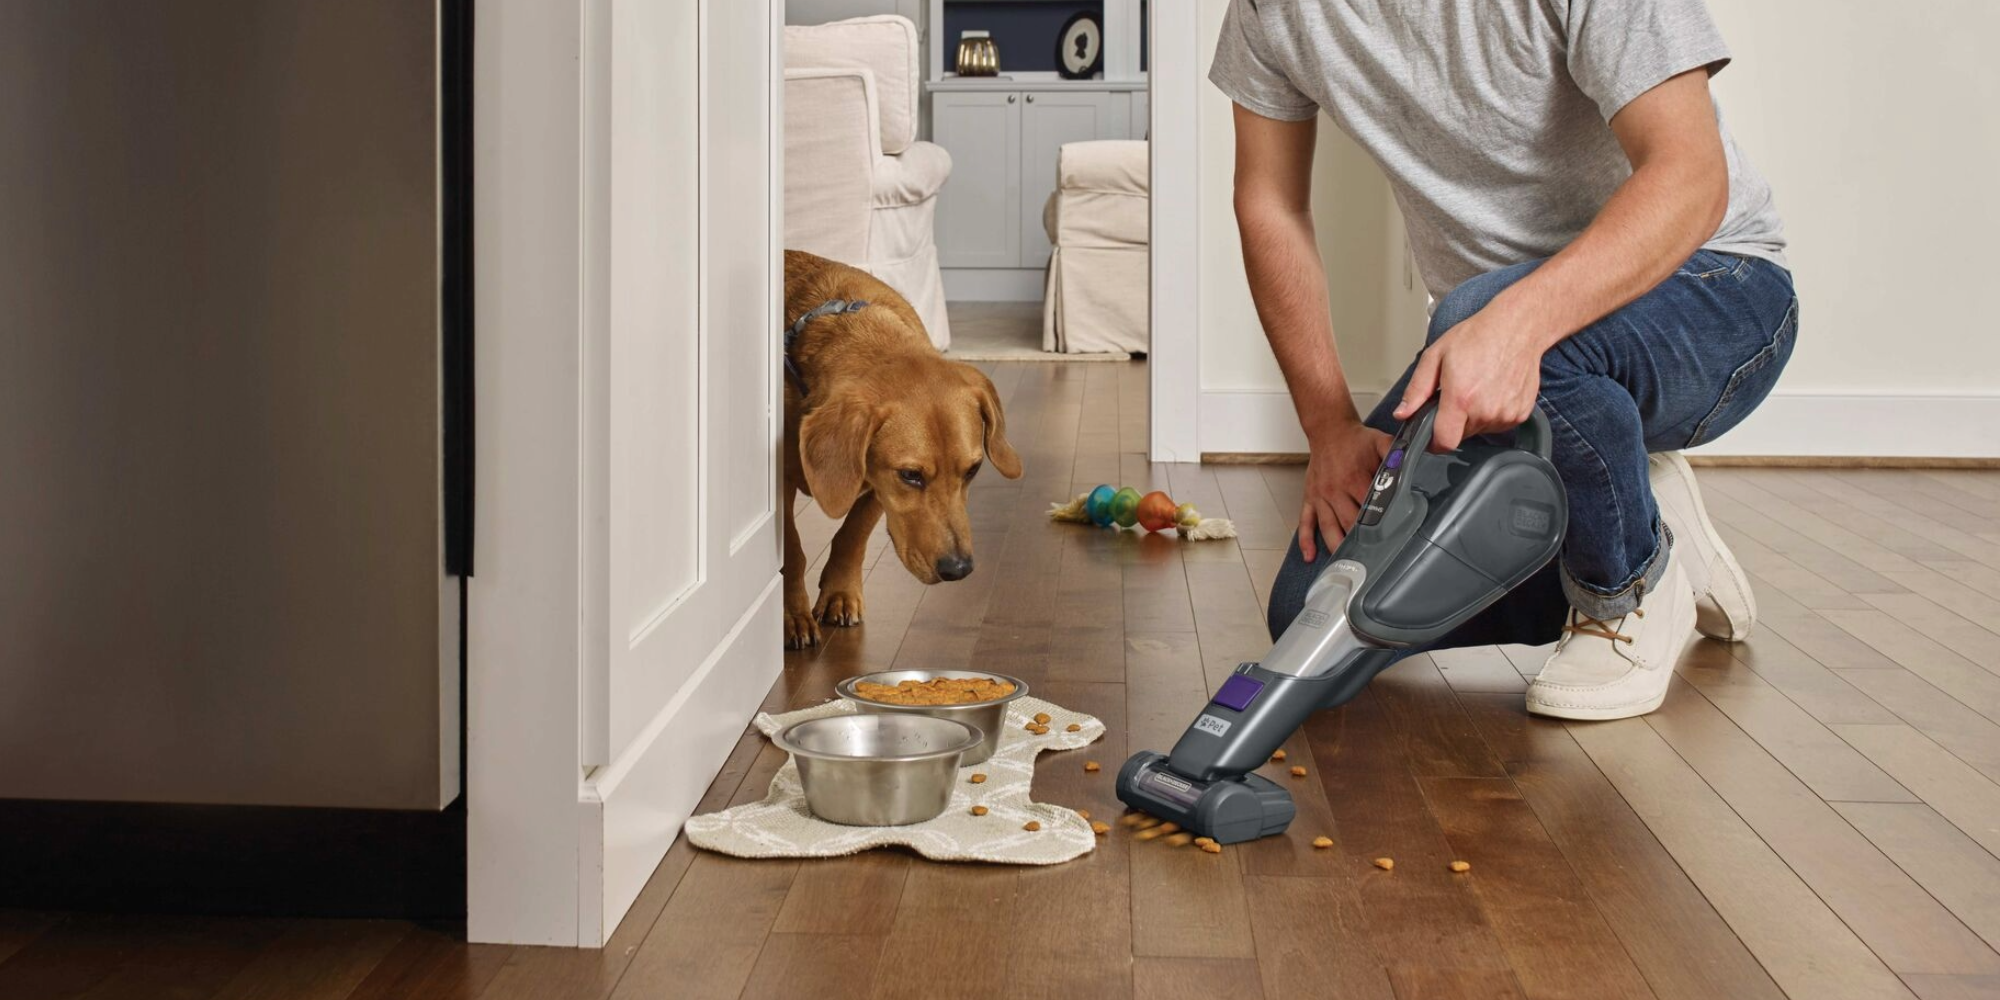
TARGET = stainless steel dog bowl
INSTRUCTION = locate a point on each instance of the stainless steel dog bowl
(877, 770)
(989, 717)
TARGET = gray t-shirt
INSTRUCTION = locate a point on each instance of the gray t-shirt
(1490, 117)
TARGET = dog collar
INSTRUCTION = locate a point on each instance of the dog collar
(831, 307)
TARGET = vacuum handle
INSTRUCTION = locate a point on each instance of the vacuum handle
(1535, 434)
(1414, 439)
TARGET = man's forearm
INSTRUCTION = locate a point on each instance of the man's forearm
(1288, 284)
(1646, 230)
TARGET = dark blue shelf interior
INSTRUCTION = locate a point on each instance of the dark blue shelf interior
(1024, 30)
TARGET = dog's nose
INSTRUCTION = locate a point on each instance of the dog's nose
(954, 567)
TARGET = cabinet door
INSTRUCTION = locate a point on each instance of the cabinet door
(979, 210)
(1049, 119)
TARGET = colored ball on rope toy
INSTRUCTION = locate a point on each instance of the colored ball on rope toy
(1156, 511)
(1125, 507)
(1099, 505)
(1185, 516)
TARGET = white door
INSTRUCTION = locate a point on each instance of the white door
(979, 209)
(625, 622)
(1048, 119)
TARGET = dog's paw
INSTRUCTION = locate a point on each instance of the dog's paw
(839, 606)
(801, 630)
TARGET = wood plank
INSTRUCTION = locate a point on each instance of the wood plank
(948, 922)
(1824, 636)
(1946, 628)
(1196, 979)
(1555, 940)
(1947, 987)
(1970, 736)
(856, 894)
(115, 956)
(1946, 592)
(1418, 914)
(1438, 740)
(316, 960)
(706, 941)
(1259, 522)
(1831, 768)
(1824, 694)
(1947, 863)
(1478, 670)
(1638, 887)
(1312, 939)
(1823, 560)
(429, 965)
(1075, 920)
(1865, 550)
(1799, 941)
(1907, 928)
(1429, 983)
(1951, 673)
(824, 965)
(1959, 793)
(19, 928)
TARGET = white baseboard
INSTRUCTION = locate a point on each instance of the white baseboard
(632, 809)
(1868, 426)
(1786, 425)
(994, 284)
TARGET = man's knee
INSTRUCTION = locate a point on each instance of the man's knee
(1472, 295)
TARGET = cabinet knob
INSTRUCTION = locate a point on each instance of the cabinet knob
(1010, 98)
(1031, 98)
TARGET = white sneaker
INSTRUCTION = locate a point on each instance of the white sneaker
(1724, 606)
(1619, 668)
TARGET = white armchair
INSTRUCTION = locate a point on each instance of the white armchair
(1099, 284)
(859, 188)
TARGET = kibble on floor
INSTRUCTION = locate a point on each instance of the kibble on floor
(1386, 864)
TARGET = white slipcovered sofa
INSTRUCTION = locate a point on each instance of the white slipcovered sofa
(1099, 285)
(859, 187)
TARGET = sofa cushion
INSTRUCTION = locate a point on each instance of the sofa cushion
(885, 44)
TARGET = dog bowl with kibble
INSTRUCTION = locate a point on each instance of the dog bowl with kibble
(989, 717)
(877, 770)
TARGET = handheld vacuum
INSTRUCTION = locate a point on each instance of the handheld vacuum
(1439, 538)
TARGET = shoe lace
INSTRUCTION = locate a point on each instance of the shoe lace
(1602, 628)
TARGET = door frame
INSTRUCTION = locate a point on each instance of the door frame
(1174, 80)
(549, 860)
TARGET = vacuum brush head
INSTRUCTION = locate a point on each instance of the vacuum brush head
(1228, 810)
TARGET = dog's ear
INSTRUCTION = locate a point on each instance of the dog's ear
(833, 449)
(998, 451)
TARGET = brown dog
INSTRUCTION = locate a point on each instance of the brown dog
(877, 422)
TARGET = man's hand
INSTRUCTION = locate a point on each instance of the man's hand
(1338, 475)
(1487, 369)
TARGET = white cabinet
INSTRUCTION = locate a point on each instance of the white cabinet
(1049, 119)
(978, 207)
(1003, 146)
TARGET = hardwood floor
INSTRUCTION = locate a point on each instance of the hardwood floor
(1813, 814)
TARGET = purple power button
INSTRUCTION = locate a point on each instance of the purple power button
(1237, 692)
(1395, 459)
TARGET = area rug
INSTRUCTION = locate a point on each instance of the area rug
(1005, 331)
(782, 827)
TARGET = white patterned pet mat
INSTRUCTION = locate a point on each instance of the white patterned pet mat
(782, 827)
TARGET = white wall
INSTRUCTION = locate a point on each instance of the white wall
(1876, 133)
(1378, 307)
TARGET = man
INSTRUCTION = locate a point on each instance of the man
(1594, 242)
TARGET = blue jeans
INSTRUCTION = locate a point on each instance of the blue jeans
(1676, 368)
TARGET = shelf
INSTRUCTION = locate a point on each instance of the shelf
(990, 84)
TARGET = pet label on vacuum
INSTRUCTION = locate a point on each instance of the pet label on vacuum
(1211, 725)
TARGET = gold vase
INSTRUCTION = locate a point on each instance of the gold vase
(977, 55)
